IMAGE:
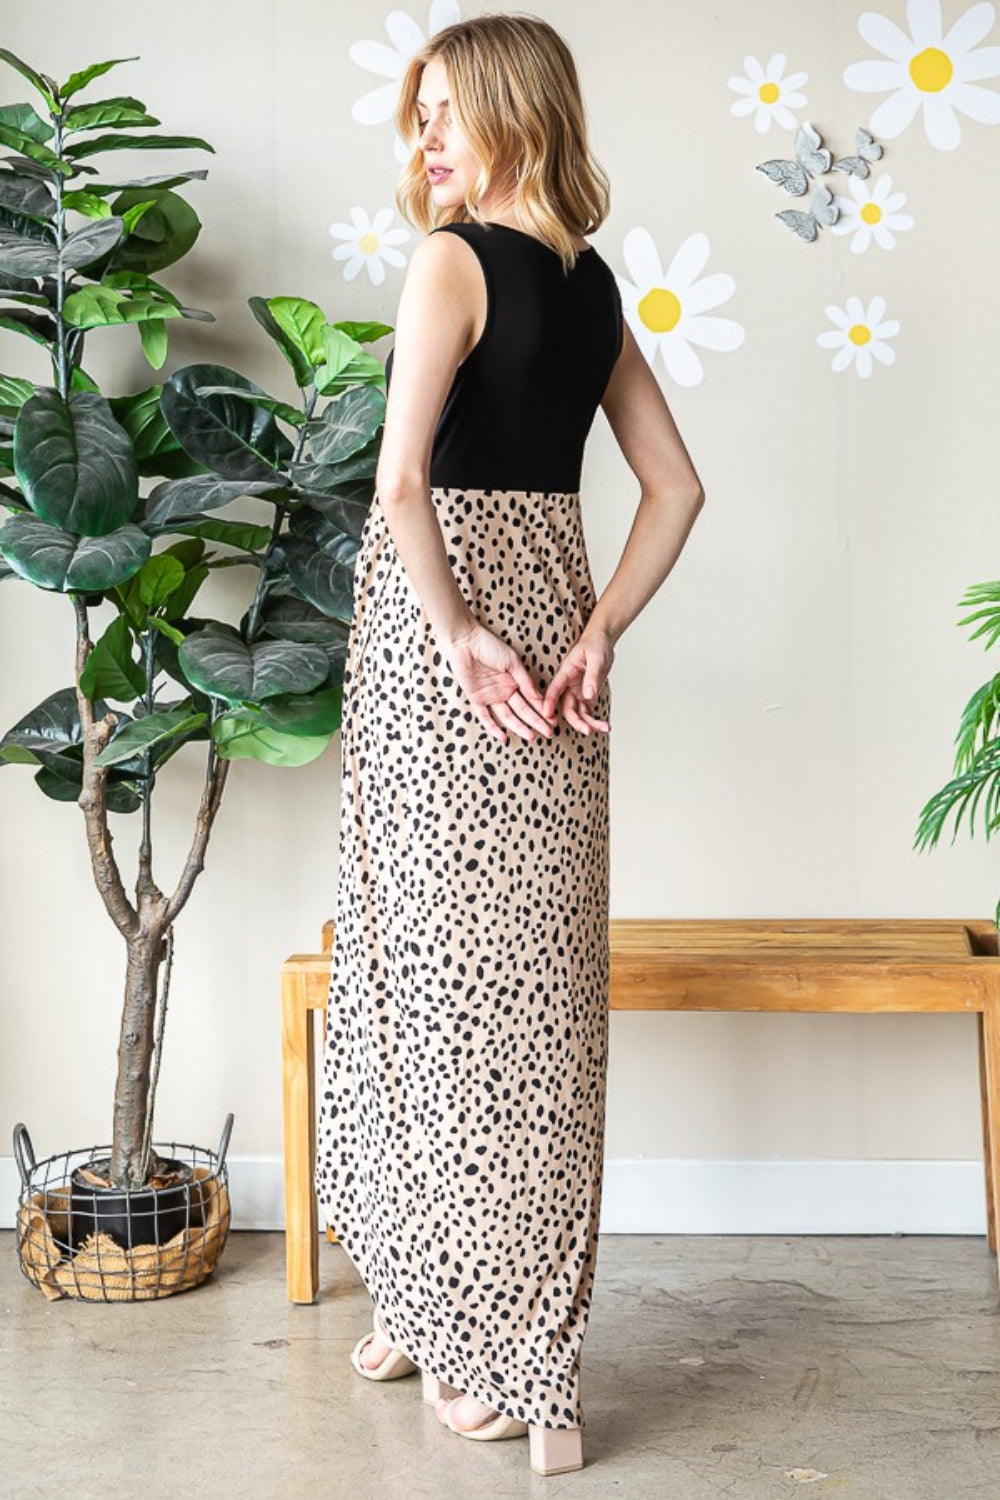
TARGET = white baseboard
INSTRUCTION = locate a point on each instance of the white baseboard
(644, 1195)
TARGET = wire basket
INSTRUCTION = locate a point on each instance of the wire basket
(103, 1244)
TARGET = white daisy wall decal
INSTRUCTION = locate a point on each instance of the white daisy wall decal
(929, 71)
(871, 214)
(859, 335)
(369, 243)
(768, 93)
(666, 309)
(389, 61)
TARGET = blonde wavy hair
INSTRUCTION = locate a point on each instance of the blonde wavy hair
(516, 96)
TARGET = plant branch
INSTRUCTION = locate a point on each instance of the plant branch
(93, 793)
(216, 771)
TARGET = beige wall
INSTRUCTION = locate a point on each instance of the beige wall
(783, 707)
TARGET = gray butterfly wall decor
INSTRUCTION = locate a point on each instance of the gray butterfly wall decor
(867, 150)
(814, 160)
(822, 210)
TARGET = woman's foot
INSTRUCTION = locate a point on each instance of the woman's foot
(466, 1412)
(375, 1350)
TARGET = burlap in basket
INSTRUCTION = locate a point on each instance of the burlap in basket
(100, 1270)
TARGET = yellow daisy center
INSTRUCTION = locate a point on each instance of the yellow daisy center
(368, 243)
(931, 70)
(859, 334)
(769, 93)
(871, 213)
(660, 310)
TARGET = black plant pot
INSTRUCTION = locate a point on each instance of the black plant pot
(132, 1216)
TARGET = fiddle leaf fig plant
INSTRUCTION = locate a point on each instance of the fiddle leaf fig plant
(121, 504)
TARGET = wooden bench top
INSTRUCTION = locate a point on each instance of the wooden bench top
(793, 964)
(786, 964)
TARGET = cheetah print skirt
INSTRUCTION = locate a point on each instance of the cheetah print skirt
(461, 1121)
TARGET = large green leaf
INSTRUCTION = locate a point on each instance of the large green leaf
(300, 365)
(346, 425)
(111, 670)
(14, 391)
(136, 143)
(303, 713)
(74, 462)
(50, 736)
(38, 327)
(330, 479)
(154, 341)
(156, 449)
(159, 179)
(345, 508)
(363, 333)
(219, 662)
(241, 534)
(26, 257)
(50, 728)
(159, 578)
(120, 796)
(183, 499)
(302, 323)
(26, 195)
(163, 234)
(33, 150)
(88, 244)
(27, 121)
(105, 307)
(291, 414)
(118, 112)
(291, 619)
(79, 80)
(46, 86)
(151, 730)
(363, 369)
(234, 438)
(54, 559)
(238, 738)
(320, 560)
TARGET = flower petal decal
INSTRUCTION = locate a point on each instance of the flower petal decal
(859, 335)
(389, 61)
(768, 93)
(666, 309)
(871, 214)
(369, 243)
(929, 71)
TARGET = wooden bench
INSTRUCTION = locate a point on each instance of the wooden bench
(860, 965)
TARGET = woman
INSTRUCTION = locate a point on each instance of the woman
(462, 1119)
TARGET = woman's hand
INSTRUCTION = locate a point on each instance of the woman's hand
(497, 682)
(579, 680)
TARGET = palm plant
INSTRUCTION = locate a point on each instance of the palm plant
(158, 678)
(977, 742)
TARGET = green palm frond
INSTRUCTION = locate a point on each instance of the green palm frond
(963, 795)
(987, 594)
(980, 718)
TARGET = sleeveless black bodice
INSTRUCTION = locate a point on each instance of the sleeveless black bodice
(523, 401)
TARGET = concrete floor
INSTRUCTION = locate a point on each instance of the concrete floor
(746, 1367)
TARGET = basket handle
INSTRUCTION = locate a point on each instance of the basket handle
(227, 1131)
(24, 1153)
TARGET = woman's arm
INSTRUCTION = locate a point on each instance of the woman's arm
(434, 325)
(442, 304)
(671, 497)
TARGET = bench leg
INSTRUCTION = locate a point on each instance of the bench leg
(988, 1029)
(299, 1106)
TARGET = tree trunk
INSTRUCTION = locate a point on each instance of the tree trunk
(146, 952)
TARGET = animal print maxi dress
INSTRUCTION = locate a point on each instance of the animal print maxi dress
(461, 1130)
